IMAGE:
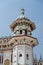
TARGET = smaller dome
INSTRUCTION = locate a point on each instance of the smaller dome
(22, 20)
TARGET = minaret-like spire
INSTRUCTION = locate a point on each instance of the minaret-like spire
(22, 13)
(35, 57)
(40, 60)
(40, 57)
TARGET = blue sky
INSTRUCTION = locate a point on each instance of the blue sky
(10, 10)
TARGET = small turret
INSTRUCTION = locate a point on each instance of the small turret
(40, 60)
(22, 25)
(35, 60)
(23, 40)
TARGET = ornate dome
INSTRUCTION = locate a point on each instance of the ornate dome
(22, 20)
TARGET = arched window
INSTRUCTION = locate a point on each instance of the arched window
(35, 64)
(11, 57)
(1, 59)
(7, 62)
(40, 63)
(25, 31)
(20, 31)
(27, 56)
(20, 55)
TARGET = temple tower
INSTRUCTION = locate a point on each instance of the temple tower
(23, 40)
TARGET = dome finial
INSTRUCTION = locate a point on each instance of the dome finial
(22, 13)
